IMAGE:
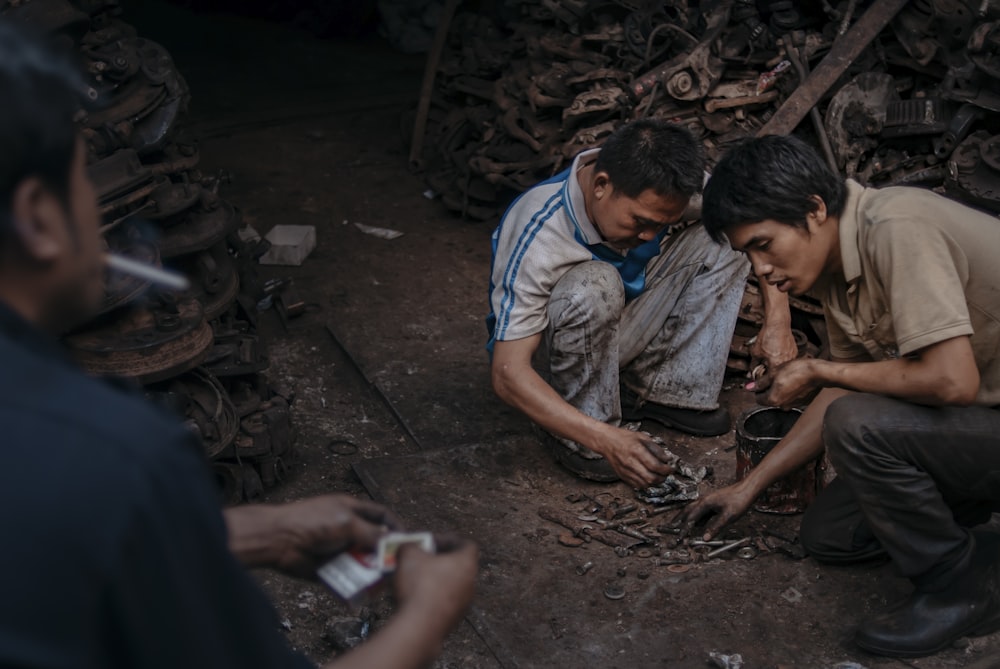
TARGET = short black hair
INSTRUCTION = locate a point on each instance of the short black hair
(769, 178)
(652, 154)
(40, 94)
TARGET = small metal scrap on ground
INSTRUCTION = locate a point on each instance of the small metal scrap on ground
(734, 661)
(384, 233)
(681, 486)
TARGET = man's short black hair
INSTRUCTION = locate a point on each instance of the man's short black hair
(769, 178)
(39, 96)
(652, 154)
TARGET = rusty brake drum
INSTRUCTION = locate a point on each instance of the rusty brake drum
(199, 227)
(205, 405)
(215, 281)
(145, 344)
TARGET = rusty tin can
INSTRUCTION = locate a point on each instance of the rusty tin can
(758, 430)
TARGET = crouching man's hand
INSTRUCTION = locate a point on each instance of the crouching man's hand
(720, 507)
(635, 457)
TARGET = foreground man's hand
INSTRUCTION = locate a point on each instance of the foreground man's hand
(722, 506)
(298, 537)
(637, 459)
(433, 592)
(442, 584)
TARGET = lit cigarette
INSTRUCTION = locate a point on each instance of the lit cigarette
(140, 270)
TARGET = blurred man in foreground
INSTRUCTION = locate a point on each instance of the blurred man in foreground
(115, 551)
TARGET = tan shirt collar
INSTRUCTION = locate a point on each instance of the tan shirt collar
(850, 254)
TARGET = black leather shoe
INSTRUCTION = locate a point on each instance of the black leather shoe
(692, 421)
(931, 621)
(584, 463)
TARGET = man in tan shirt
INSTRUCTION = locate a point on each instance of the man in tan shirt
(906, 406)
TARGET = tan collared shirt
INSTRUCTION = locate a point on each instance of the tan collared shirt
(918, 269)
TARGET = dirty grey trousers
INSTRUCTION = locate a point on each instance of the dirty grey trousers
(910, 481)
(669, 345)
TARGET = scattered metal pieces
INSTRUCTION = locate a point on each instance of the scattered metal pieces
(375, 231)
(728, 547)
(792, 595)
(614, 591)
(342, 447)
(584, 568)
(734, 661)
(570, 540)
(682, 486)
(347, 632)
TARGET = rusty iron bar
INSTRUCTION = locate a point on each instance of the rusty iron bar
(427, 87)
(715, 104)
(844, 51)
(801, 65)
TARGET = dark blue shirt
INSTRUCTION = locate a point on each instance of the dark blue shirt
(114, 550)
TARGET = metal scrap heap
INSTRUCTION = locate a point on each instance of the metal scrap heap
(904, 92)
(197, 352)
(897, 92)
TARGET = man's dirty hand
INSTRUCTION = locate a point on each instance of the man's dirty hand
(637, 459)
(721, 508)
(792, 384)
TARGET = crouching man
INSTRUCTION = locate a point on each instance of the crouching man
(907, 406)
(607, 307)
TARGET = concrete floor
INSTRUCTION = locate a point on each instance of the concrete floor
(393, 397)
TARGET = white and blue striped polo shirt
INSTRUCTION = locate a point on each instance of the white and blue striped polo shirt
(542, 235)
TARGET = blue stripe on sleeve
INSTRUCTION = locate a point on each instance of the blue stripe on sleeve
(520, 249)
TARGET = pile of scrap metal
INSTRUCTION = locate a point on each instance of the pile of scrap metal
(897, 91)
(197, 352)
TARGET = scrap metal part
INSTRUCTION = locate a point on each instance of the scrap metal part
(205, 405)
(974, 171)
(146, 343)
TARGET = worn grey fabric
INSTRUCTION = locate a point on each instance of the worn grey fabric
(669, 345)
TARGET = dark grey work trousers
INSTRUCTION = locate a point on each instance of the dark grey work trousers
(910, 482)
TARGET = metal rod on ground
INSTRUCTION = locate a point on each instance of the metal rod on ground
(427, 87)
(378, 391)
(728, 547)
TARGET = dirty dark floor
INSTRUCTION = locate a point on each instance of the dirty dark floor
(393, 397)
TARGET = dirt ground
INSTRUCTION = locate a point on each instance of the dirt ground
(393, 398)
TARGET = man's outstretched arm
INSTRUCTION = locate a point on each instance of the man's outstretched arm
(632, 455)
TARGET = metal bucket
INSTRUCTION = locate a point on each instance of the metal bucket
(757, 432)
